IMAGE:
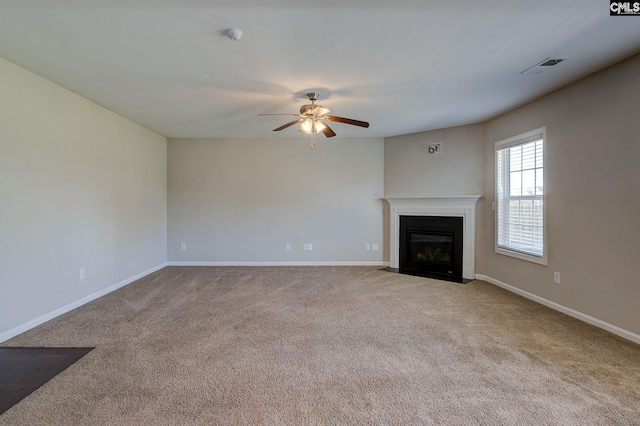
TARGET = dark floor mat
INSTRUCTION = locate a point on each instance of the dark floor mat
(23, 370)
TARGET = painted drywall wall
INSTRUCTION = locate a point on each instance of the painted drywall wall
(411, 171)
(592, 187)
(243, 200)
(80, 187)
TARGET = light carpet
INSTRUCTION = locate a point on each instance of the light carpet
(328, 345)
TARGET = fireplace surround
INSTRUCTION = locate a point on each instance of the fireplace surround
(463, 207)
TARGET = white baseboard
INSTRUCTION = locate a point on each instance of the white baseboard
(319, 263)
(626, 334)
(63, 310)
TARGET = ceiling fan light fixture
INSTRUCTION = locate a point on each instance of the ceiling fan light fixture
(319, 125)
(306, 126)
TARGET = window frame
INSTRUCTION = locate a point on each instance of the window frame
(514, 141)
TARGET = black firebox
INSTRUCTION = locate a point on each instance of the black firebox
(432, 245)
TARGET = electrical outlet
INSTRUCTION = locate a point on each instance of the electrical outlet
(556, 277)
(375, 246)
(183, 246)
(82, 275)
(288, 246)
(309, 246)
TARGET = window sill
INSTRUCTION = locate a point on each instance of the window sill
(522, 256)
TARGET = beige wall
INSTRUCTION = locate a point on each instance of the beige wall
(80, 187)
(410, 171)
(242, 200)
(592, 196)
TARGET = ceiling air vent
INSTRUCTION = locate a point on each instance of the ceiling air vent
(543, 66)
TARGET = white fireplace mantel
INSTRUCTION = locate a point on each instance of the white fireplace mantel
(456, 206)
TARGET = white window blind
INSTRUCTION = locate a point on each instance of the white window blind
(519, 194)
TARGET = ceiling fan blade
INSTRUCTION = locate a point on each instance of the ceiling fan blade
(347, 121)
(328, 132)
(291, 123)
(293, 115)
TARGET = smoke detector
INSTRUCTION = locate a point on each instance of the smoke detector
(234, 33)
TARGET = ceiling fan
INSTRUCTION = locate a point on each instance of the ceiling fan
(313, 119)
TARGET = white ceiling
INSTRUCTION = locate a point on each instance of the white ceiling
(403, 65)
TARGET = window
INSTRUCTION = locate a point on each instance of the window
(520, 213)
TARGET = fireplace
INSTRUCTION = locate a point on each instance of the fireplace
(459, 208)
(432, 245)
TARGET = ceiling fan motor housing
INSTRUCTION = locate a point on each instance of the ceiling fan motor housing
(307, 109)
